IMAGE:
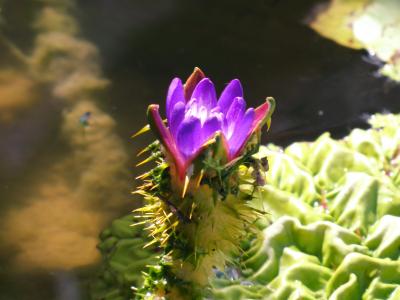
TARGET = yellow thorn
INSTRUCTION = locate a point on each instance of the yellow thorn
(150, 227)
(185, 186)
(154, 186)
(150, 158)
(164, 241)
(141, 209)
(191, 211)
(139, 192)
(173, 225)
(145, 186)
(167, 216)
(143, 176)
(150, 243)
(142, 151)
(200, 178)
(138, 223)
(141, 131)
(139, 217)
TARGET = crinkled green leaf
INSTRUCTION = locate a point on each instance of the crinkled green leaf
(334, 208)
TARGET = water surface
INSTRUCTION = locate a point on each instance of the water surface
(62, 181)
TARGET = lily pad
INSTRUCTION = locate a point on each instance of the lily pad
(373, 25)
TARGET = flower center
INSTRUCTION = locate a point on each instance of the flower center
(194, 109)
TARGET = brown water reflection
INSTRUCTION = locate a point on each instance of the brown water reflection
(70, 201)
(17, 92)
(64, 169)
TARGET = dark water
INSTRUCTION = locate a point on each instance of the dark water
(317, 84)
(143, 44)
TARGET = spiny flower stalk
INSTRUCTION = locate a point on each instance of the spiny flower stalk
(194, 207)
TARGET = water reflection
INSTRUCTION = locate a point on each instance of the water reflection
(17, 92)
(69, 202)
(62, 187)
(67, 287)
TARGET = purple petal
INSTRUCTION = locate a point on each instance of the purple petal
(158, 127)
(188, 135)
(234, 116)
(192, 108)
(210, 127)
(205, 94)
(231, 91)
(241, 133)
(236, 111)
(176, 118)
(175, 94)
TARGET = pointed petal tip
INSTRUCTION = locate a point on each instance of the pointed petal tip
(271, 109)
(205, 93)
(175, 95)
(205, 81)
(192, 81)
(153, 107)
(232, 90)
(198, 72)
(235, 81)
(263, 112)
(175, 81)
(272, 104)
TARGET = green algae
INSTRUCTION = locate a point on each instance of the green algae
(334, 207)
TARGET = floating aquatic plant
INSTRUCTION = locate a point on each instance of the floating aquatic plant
(194, 208)
(364, 24)
(335, 208)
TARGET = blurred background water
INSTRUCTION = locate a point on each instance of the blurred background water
(76, 79)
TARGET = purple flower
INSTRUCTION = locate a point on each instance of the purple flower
(195, 116)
